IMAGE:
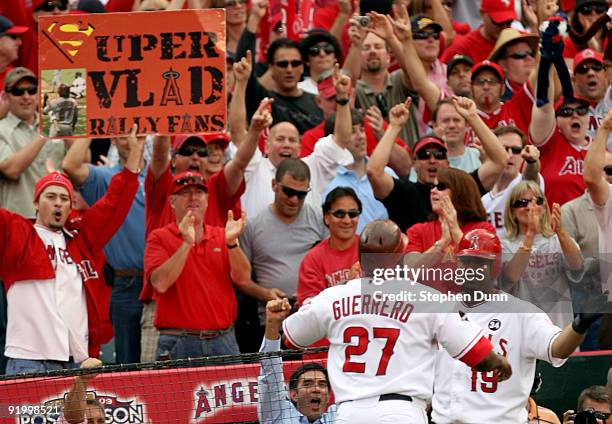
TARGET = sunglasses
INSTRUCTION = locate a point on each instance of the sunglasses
(190, 150)
(20, 91)
(482, 81)
(326, 48)
(426, 154)
(285, 63)
(566, 111)
(584, 68)
(502, 24)
(590, 8)
(13, 36)
(514, 149)
(608, 170)
(424, 35)
(189, 180)
(522, 55)
(440, 186)
(50, 6)
(290, 192)
(523, 203)
(341, 213)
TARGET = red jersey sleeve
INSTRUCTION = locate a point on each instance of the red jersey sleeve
(311, 279)
(156, 196)
(155, 253)
(220, 201)
(415, 239)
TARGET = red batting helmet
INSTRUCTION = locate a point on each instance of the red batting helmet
(484, 244)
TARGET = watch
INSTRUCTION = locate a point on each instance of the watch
(233, 246)
(342, 102)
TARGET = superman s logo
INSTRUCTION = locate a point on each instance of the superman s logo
(68, 38)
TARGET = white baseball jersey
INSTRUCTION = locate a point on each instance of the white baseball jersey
(379, 347)
(520, 332)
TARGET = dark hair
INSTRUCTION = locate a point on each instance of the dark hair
(596, 393)
(310, 366)
(281, 43)
(63, 90)
(330, 122)
(464, 195)
(295, 167)
(314, 37)
(338, 193)
(446, 101)
(511, 129)
(95, 403)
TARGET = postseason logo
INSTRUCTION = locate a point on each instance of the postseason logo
(117, 411)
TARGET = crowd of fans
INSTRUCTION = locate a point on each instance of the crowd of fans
(441, 116)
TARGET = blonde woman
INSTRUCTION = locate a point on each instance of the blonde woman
(540, 258)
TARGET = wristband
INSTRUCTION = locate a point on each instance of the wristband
(579, 326)
(531, 160)
(342, 102)
(233, 246)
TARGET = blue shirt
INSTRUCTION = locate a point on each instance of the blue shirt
(126, 248)
(274, 406)
(372, 208)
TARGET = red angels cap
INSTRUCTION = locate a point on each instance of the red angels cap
(188, 179)
(220, 138)
(487, 64)
(428, 141)
(587, 54)
(54, 178)
(499, 10)
(179, 140)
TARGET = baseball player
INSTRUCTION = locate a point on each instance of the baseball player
(382, 352)
(518, 331)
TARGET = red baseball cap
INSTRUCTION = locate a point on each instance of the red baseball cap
(188, 179)
(487, 64)
(220, 138)
(179, 140)
(499, 10)
(428, 141)
(326, 88)
(587, 54)
(8, 28)
(54, 178)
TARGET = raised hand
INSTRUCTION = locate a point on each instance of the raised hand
(88, 364)
(464, 106)
(259, 8)
(380, 26)
(376, 121)
(555, 218)
(136, 145)
(262, 118)
(401, 26)
(530, 153)
(356, 33)
(277, 310)
(187, 228)
(341, 82)
(607, 121)
(400, 113)
(345, 7)
(233, 228)
(243, 68)
(533, 223)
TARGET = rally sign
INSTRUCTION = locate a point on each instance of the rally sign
(102, 73)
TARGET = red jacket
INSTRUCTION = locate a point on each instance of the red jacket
(23, 255)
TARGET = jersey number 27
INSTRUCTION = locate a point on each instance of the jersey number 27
(363, 340)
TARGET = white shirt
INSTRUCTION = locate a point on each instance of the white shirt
(48, 319)
(386, 347)
(603, 214)
(495, 204)
(323, 163)
(518, 331)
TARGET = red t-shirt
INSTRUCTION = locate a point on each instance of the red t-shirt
(202, 297)
(561, 166)
(324, 267)
(423, 235)
(473, 44)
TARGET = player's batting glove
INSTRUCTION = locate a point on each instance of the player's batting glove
(591, 309)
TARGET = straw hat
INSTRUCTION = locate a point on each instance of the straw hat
(511, 35)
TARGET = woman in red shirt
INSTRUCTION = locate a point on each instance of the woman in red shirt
(456, 209)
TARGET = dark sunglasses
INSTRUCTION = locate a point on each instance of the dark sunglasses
(13, 36)
(424, 35)
(190, 150)
(608, 170)
(290, 192)
(189, 180)
(20, 91)
(483, 81)
(426, 154)
(502, 24)
(522, 55)
(566, 111)
(602, 415)
(341, 213)
(523, 203)
(584, 68)
(286, 63)
(590, 8)
(50, 6)
(514, 149)
(326, 48)
(440, 186)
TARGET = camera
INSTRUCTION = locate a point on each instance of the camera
(586, 416)
(363, 21)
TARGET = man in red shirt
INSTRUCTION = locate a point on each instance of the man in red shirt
(192, 265)
(478, 43)
(10, 40)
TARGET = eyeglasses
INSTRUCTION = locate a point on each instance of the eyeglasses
(190, 150)
(424, 35)
(584, 68)
(523, 203)
(522, 55)
(482, 81)
(440, 186)
(590, 8)
(20, 91)
(341, 213)
(285, 63)
(426, 154)
(566, 111)
(290, 192)
(326, 48)
(514, 149)
(608, 170)
(50, 6)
